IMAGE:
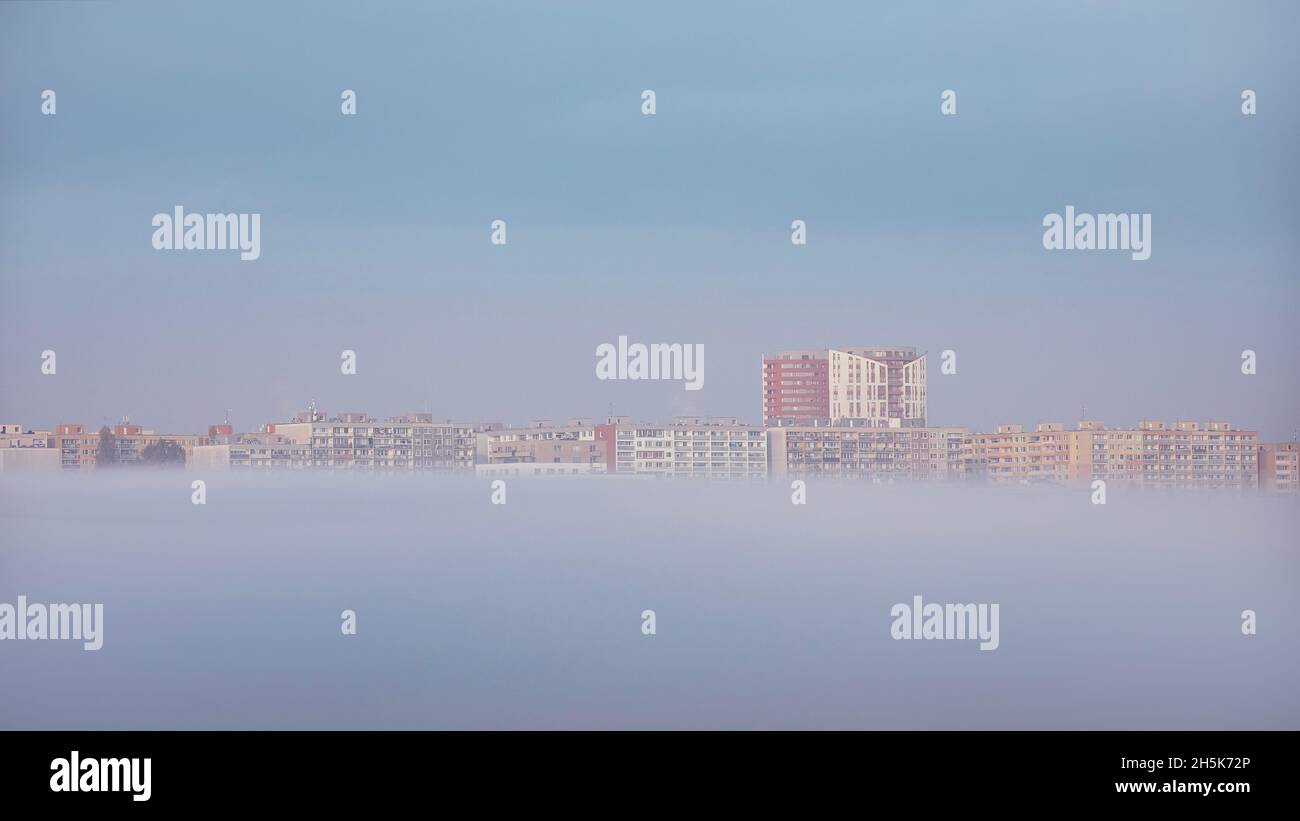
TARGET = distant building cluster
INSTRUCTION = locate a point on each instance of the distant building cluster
(855, 413)
(1186, 455)
(713, 448)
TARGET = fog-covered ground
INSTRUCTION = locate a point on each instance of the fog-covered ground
(528, 614)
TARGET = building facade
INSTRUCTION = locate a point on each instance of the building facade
(251, 451)
(1279, 467)
(77, 449)
(541, 449)
(354, 441)
(884, 386)
(690, 447)
(866, 451)
(796, 386)
(23, 449)
(1012, 454)
(1185, 455)
(130, 441)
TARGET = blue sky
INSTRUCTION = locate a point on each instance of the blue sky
(923, 229)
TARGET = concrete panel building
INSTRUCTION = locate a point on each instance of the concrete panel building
(1185, 455)
(866, 451)
(130, 442)
(1012, 454)
(689, 447)
(1279, 467)
(355, 441)
(568, 449)
(251, 452)
(77, 448)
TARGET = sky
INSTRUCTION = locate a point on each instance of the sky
(923, 229)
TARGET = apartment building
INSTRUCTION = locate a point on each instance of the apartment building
(17, 436)
(796, 386)
(1012, 454)
(689, 447)
(1185, 455)
(355, 441)
(129, 442)
(1279, 467)
(249, 451)
(541, 449)
(862, 450)
(24, 449)
(883, 385)
(77, 448)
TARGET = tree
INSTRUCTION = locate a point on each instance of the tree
(107, 456)
(163, 452)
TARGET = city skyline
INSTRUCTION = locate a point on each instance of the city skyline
(674, 400)
(1181, 454)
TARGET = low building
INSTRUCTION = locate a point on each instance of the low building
(16, 436)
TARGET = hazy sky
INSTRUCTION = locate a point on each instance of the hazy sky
(923, 229)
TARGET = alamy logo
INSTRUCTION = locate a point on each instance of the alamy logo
(946, 621)
(179, 231)
(73, 774)
(683, 362)
(82, 622)
(1102, 232)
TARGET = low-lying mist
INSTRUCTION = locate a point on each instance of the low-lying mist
(528, 614)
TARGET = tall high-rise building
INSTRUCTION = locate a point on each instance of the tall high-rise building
(883, 385)
(796, 386)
